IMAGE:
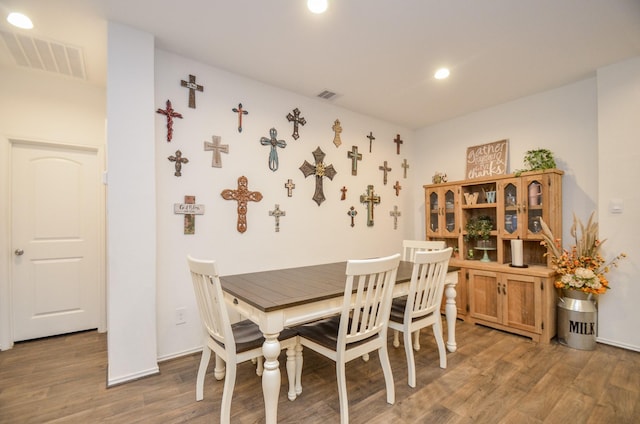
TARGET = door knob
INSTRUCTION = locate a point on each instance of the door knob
(19, 252)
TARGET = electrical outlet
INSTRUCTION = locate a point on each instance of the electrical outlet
(181, 316)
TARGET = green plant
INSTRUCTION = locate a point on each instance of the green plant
(537, 159)
(478, 228)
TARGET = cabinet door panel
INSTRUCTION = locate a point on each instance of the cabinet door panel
(522, 302)
(483, 292)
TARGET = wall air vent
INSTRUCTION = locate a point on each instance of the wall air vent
(45, 55)
(327, 95)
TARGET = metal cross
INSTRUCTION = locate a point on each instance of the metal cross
(384, 169)
(240, 112)
(242, 195)
(344, 193)
(405, 165)
(273, 142)
(355, 157)
(277, 213)
(352, 212)
(179, 160)
(289, 186)
(189, 209)
(170, 114)
(395, 213)
(371, 138)
(337, 129)
(370, 199)
(193, 87)
(216, 160)
(398, 143)
(397, 187)
(296, 119)
(320, 170)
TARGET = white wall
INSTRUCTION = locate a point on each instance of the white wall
(309, 234)
(618, 157)
(47, 108)
(565, 120)
(131, 199)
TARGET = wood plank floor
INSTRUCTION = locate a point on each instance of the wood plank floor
(493, 377)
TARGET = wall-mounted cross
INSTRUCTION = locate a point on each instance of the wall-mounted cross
(395, 213)
(371, 138)
(320, 170)
(179, 160)
(384, 168)
(405, 166)
(352, 212)
(337, 129)
(273, 142)
(217, 148)
(344, 193)
(355, 157)
(189, 209)
(398, 143)
(297, 120)
(277, 213)
(240, 112)
(193, 87)
(289, 186)
(397, 187)
(170, 114)
(242, 195)
(370, 199)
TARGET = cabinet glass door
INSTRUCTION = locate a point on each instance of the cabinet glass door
(434, 209)
(449, 214)
(534, 210)
(511, 208)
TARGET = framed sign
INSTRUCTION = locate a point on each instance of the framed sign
(487, 159)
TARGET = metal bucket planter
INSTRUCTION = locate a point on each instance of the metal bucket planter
(577, 320)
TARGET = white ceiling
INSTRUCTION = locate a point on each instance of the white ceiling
(377, 55)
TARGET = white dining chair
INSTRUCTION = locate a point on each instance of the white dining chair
(233, 343)
(421, 307)
(362, 325)
(409, 249)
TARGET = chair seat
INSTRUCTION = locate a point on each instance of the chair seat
(248, 336)
(397, 310)
(325, 333)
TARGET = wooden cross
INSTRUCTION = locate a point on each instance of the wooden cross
(405, 165)
(397, 187)
(289, 186)
(273, 142)
(320, 170)
(337, 129)
(242, 195)
(355, 157)
(170, 114)
(370, 199)
(344, 193)
(296, 119)
(371, 138)
(398, 143)
(384, 169)
(395, 213)
(179, 160)
(352, 212)
(277, 213)
(189, 209)
(217, 148)
(240, 112)
(192, 86)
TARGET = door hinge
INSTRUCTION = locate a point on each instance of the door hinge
(467, 308)
(542, 325)
(541, 285)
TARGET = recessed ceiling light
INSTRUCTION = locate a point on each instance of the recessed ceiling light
(317, 6)
(441, 73)
(19, 20)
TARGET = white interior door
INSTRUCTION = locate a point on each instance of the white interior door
(56, 272)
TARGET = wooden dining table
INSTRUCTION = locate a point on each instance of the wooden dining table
(282, 298)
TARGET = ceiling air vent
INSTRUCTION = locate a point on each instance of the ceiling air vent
(45, 55)
(327, 95)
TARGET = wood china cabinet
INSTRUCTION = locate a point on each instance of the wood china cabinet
(491, 292)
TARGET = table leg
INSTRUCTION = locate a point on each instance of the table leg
(451, 312)
(271, 377)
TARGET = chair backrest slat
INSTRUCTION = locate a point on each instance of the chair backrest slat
(410, 247)
(427, 282)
